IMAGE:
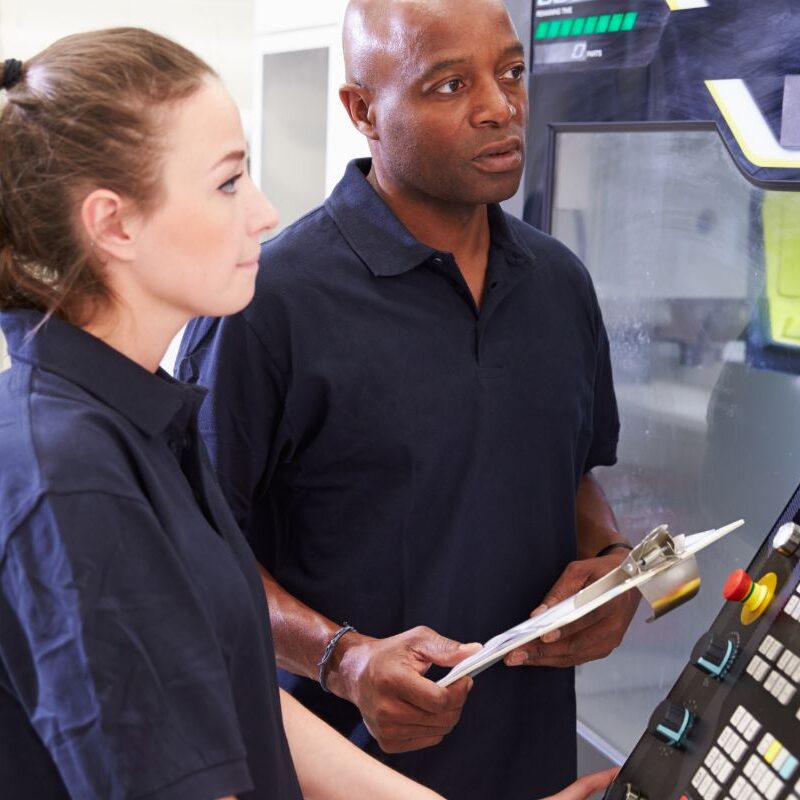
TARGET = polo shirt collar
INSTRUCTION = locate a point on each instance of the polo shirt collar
(380, 240)
(368, 225)
(150, 401)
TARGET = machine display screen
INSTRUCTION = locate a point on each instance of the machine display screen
(595, 33)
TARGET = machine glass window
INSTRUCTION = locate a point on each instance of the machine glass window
(698, 275)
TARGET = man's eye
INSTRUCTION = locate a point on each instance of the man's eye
(451, 87)
(229, 187)
(515, 73)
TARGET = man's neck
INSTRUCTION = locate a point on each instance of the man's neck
(449, 227)
(462, 230)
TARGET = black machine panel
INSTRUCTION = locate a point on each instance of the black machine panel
(639, 61)
(730, 726)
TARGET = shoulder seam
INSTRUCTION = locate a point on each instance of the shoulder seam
(10, 525)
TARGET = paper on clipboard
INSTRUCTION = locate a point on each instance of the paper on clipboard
(662, 567)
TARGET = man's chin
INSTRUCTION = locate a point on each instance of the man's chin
(497, 187)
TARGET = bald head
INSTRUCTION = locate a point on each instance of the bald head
(379, 36)
(438, 88)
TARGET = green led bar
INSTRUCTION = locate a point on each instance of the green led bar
(586, 26)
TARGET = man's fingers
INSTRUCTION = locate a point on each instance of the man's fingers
(402, 714)
(425, 694)
(440, 650)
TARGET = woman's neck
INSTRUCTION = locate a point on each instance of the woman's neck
(143, 338)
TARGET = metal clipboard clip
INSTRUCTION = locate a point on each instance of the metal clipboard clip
(675, 574)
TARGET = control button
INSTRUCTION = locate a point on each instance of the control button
(767, 740)
(770, 648)
(725, 737)
(724, 770)
(757, 668)
(752, 731)
(787, 539)
(714, 654)
(671, 723)
(738, 751)
(788, 769)
(739, 788)
(699, 776)
(772, 751)
(741, 588)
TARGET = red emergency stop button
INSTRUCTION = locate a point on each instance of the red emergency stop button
(738, 587)
(755, 596)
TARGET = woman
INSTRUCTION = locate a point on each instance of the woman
(135, 649)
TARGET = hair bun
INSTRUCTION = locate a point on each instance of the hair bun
(12, 72)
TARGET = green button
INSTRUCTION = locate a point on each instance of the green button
(602, 23)
(629, 21)
(616, 23)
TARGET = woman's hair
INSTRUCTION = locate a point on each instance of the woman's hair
(88, 112)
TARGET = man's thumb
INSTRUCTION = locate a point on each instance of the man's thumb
(445, 652)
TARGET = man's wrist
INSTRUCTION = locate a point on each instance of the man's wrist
(612, 547)
(342, 669)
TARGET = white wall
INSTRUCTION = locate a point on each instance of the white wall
(220, 31)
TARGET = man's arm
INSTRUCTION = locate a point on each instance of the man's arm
(597, 634)
(382, 677)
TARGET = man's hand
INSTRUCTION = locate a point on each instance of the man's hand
(593, 636)
(384, 677)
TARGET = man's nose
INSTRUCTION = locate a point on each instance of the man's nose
(493, 106)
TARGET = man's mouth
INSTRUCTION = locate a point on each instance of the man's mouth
(502, 156)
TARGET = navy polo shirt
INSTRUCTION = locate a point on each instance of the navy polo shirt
(136, 657)
(399, 457)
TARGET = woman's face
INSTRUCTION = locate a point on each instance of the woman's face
(197, 252)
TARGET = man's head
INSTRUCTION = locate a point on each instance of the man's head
(438, 87)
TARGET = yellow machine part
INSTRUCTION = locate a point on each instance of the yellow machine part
(781, 222)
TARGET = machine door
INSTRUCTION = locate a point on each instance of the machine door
(662, 152)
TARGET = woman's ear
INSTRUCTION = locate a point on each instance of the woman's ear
(109, 225)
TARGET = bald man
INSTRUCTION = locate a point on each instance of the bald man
(405, 418)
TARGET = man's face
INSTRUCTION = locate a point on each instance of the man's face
(452, 105)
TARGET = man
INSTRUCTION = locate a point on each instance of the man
(405, 418)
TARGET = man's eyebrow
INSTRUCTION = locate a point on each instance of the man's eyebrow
(515, 49)
(441, 65)
(235, 155)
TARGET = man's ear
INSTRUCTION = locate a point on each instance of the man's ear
(109, 225)
(357, 101)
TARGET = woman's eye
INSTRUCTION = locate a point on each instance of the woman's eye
(229, 187)
(451, 87)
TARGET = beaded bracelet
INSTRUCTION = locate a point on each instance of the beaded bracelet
(328, 652)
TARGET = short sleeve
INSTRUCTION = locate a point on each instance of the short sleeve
(112, 655)
(605, 416)
(242, 420)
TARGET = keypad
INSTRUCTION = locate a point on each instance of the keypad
(752, 760)
(777, 669)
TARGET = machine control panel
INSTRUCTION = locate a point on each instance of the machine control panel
(729, 729)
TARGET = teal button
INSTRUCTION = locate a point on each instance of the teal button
(788, 768)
